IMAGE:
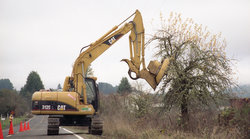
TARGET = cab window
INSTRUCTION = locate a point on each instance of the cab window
(90, 90)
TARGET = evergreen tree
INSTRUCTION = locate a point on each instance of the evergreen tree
(33, 83)
(6, 84)
(124, 86)
(59, 86)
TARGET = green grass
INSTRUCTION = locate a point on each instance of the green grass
(16, 121)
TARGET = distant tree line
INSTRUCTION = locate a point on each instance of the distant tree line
(18, 102)
(123, 87)
(106, 88)
(10, 101)
(242, 91)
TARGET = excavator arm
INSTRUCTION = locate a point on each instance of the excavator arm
(152, 74)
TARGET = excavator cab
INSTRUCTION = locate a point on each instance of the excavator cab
(92, 92)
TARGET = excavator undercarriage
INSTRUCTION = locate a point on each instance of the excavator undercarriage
(94, 123)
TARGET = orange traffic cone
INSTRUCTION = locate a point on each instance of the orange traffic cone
(1, 132)
(21, 127)
(11, 130)
(28, 126)
(24, 126)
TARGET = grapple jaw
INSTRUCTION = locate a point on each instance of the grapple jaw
(153, 74)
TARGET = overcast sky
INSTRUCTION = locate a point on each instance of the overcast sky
(47, 35)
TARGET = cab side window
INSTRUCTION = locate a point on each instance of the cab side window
(90, 88)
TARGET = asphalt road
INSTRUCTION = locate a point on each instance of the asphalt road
(38, 130)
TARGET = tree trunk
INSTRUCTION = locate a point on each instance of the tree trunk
(184, 112)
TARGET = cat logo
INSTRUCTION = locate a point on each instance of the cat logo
(61, 107)
(111, 40)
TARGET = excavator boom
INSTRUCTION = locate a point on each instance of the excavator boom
(152, 74)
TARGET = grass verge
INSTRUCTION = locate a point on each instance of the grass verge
(16, 121)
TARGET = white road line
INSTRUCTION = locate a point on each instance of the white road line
(31, 119)
(79, 137)
(42, 120)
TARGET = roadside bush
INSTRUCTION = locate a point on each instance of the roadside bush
(10, 100)
(237, 119)
(117, 119)
(141, 104)
(140, 118)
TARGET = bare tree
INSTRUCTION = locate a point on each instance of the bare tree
(89, 72)
(199, 71)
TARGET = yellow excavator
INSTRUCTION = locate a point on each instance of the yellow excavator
(78, 103)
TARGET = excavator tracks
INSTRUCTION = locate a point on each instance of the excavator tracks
(53, 126)
(96, 127)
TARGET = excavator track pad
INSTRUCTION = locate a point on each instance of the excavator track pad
(53, 126)
(96, 127)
